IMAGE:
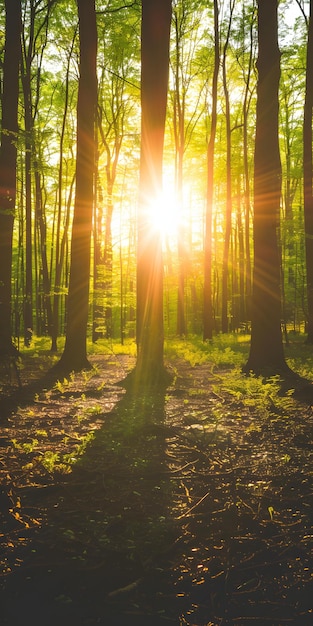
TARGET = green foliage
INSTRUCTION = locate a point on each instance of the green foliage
(27, 446)
(112, 347)
(223, 351)
(50, 460)
(54, 79)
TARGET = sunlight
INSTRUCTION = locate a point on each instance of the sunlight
(165, 214)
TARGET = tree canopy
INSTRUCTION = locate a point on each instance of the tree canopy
(205, 193)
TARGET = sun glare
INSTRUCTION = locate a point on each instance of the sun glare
(165, 214)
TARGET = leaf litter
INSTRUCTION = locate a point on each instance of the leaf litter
(188, 506)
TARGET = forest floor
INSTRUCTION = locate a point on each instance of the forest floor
(187, 507)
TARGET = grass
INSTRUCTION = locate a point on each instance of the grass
(225, 351)
(225, 355)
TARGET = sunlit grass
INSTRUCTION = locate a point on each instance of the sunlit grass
(112, 347)
(224, 351)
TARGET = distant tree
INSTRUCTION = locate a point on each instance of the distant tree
(187, 38)
(117, 83)
(74, 356)
(266, 349)
(8, 160)
(155, 34)
(61, 237)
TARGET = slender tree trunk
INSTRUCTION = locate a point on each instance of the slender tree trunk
(74, 356)
(241, 259)
(28, 297)
(8, 156)
(207, 302)
(108, 263)
(42, 244)
(154, 86)
(308, 176)
(266, 350)
(179, 132)
(98, 278)
(247, 192)
(225, 267)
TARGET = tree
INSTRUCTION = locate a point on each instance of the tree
(61, 237)
(74, 356)
(266, 349)
(36, 17)
(207, 300)
(247, 21)
(308, 175)
(228, 212)
(187, 33)
(117, 84)
(8, 160)
(154, 86)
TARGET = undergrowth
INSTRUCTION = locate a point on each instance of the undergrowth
(225, 356)
(225, 351)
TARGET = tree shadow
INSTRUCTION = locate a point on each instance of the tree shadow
(99, 558)
(302, 387)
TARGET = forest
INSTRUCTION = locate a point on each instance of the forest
(156, 312)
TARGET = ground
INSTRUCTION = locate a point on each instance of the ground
(186, 506)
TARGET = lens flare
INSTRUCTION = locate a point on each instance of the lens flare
(165, 214)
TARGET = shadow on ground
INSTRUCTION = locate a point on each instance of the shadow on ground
(186, 508)
(107, 530)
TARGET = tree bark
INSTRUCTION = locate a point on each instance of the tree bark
(207, 297)
(308, 176)
(266, 349)
(228, 212)
(8, 156)
(155, 34)
(74, 356)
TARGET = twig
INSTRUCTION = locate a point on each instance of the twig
(194, 506)
(125, 589)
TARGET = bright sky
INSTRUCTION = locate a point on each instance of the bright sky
(293, 11)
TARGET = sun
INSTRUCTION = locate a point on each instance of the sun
(165, 214)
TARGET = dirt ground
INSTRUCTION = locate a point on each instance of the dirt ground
(186, 507)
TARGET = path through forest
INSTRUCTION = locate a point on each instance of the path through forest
(187, 507)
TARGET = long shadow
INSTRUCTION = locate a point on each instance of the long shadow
(100, 557)
(106, 551)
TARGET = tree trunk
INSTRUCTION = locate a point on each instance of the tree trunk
(179, 134)
(28, 121)
(74, 356)
(308, 176)
(8, 155)
(207, 302)
(98, 268)
(266, 350)
(225, 266)
(154, 86)
(42, 245)
(246, 176)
